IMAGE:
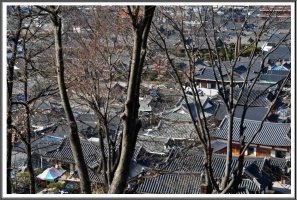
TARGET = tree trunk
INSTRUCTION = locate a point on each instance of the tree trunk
(238, 175)
(103, 159)
(10, 79)
(130, 116)
(30, 166)
(131, 123)
(28, 134)
(72, 132)
(229, 152)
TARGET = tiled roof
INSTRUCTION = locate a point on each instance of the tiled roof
(249, 184)
(172, 130)
(190, 98)
(208, 106)
(184, 170)
(41, 144)
(275, 38)
(86, 117)
(220, 106)
(217, 145)
(153, 145)
(279, 162)
(19, 160)
(176, 116)
(62, 129)
(181, 167)
(92, 175)
(192, 161)
(242, 67)
(207, 73)
(171, 183)
(273, 168)
(271, 134)
(257, 97)
(264, 86)
(259, 161)
(91, 152)
(252, 113)
(255, 173)
(271, 78)
(181, 112)
(283, 52)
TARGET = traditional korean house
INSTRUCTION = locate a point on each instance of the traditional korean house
(272, 141)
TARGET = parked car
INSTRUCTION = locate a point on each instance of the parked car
(70, 188)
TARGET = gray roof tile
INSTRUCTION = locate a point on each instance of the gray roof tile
(272, 134)
(249, 184)
(192, 161)
(171, 183)
(256, 97)
(271, 78)
(172, 130)
(207, 73)
(176, 116)
(184, 170)
(252, 113)
(91, 152)
(151, 144)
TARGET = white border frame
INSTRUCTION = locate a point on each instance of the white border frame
(4, 107)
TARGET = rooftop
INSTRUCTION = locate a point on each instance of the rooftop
(171, 130)
(271, 134)
(171, 183)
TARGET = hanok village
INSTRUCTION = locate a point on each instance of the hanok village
(191, 98)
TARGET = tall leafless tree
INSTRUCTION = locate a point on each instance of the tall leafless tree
(23, 79)
(131, 123)
(100, 49)
(10, 78)
(211, 30)
(76, 148)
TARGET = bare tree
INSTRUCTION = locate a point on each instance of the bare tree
(28, 86)
(11, 64)
(100, 49)
(131, 123)
(141, 26)
(212, 30)
(73, 132)
(20, 32)
(100, 56)
(228, 93)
